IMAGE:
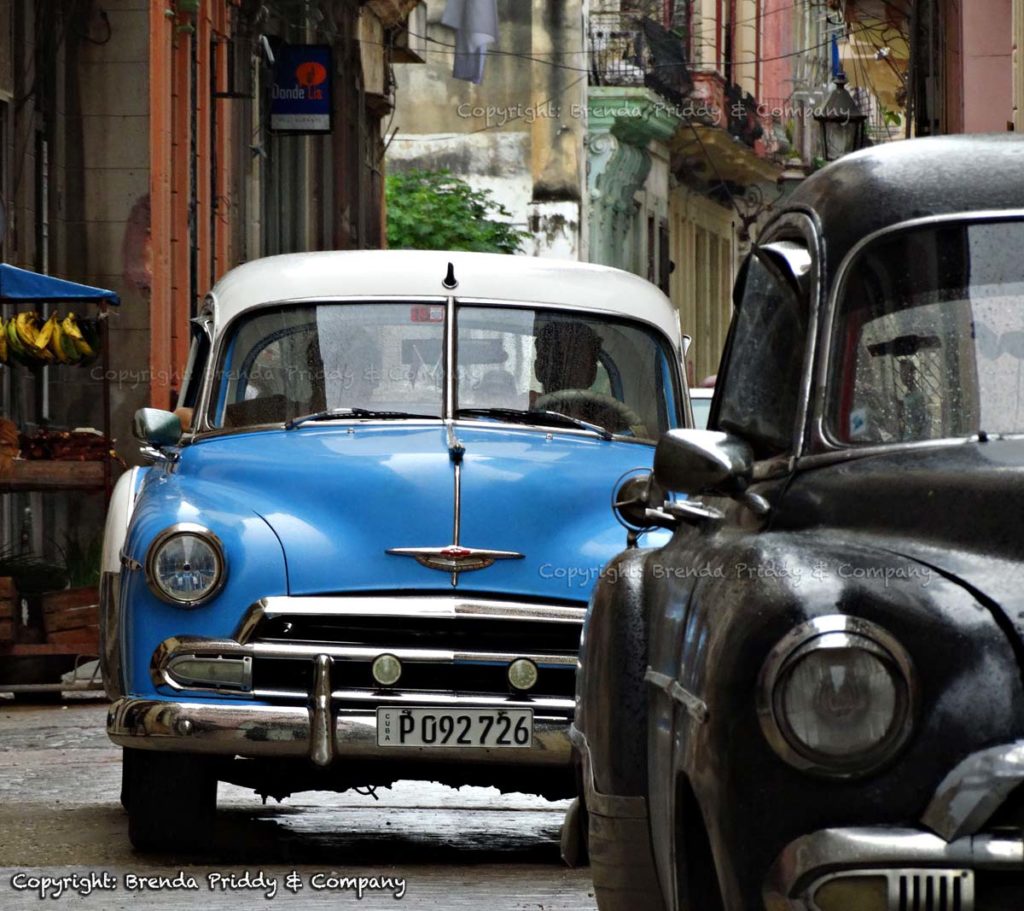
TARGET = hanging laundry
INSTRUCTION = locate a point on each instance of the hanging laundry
(476, 28)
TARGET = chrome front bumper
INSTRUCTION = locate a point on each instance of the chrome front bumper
(921, 869)
(325, 718)
(271, 731)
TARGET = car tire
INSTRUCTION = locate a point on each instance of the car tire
(171, 800)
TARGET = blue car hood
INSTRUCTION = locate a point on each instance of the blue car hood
(339, 497)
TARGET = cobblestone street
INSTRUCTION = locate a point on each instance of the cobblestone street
(471, 848)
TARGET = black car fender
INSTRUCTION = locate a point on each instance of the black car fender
(756, 590)
(611, 701)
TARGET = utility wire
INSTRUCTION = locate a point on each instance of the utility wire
(735, 62)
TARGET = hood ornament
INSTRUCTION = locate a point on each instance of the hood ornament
(454, 558)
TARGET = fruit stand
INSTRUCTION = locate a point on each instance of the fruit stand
(45, 633)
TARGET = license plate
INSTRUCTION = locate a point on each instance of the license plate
(495, 728)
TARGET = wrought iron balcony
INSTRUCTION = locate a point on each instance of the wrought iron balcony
(630, 48)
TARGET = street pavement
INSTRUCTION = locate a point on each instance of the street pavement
(431, 846)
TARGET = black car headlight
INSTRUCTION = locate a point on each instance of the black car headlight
(836, 696)
(185, 565)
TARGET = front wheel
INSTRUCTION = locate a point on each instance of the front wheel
(171, 800)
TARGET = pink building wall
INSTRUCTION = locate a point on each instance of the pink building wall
(987, 57)
(776, 43)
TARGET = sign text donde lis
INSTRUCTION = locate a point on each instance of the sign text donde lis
(300, 96)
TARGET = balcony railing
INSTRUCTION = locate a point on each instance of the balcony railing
(628, 48)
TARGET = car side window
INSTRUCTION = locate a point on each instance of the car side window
(760, 392)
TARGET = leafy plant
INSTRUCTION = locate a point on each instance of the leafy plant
(82, 563)
(32, 574)
(892, 118)
(434, 210)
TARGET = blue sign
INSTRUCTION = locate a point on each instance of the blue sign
(300, 96)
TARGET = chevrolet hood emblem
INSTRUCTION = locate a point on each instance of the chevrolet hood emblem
(454, 558)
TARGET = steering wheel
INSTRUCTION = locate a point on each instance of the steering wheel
(625, 416)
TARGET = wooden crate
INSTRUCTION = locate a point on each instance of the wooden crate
(8, 606)
(71, 616)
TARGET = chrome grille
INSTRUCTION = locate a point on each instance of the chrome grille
(447, 646)
(932, 890)
(906, 889)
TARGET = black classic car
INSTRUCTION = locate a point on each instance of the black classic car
(812, 697)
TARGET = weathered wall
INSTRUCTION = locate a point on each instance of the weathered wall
(519, 134)
(987, 46)
(104, 193)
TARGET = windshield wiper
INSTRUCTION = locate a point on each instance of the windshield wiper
(553, 418)
(334, 414)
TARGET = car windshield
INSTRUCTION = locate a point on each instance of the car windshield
(929, 340)
(387, 360)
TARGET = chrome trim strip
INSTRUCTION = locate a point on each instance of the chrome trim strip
(427, 698)
(696, 707)
(283, 732)
(450, 364)
(321, 743)
(811, 857)
(827, 631)
(439, 607)
(405, 655)
(610, 805)
(456, 522)
(423, 698)
(974, 790)
(177, 646)
(817, 436)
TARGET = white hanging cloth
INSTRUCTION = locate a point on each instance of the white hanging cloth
(476, 28)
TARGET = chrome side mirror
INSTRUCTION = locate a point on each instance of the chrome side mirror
(156, 429)
(698, 462)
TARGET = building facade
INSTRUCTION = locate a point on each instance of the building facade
(137, 154)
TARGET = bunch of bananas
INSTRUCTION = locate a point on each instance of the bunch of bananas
(23, 340)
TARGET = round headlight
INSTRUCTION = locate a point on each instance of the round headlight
(837, 696)
(186, 565)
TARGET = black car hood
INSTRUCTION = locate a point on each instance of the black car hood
(958, 509)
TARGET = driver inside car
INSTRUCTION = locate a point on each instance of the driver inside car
(566, 359)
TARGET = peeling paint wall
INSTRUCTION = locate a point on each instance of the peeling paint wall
(519, 134)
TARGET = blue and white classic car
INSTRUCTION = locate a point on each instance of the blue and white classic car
(368, 555)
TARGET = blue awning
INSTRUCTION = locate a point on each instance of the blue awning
(21, 285)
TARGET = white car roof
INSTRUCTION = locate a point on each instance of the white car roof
(419, 273)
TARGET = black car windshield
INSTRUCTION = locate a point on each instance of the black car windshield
(385, 360)
(929, 336)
